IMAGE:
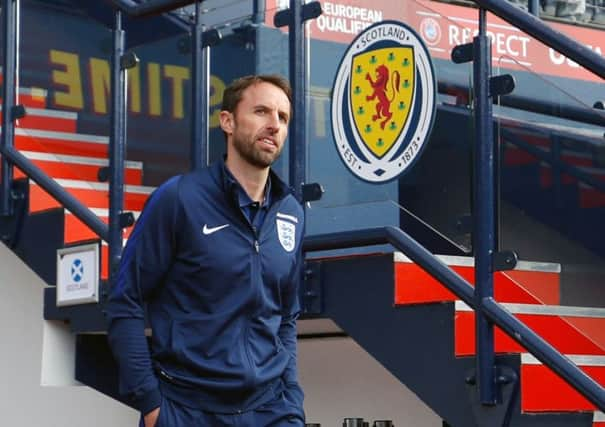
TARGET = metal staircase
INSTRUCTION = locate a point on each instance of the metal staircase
(418, 329)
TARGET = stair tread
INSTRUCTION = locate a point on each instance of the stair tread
(68, 136)
(540, 281)
(77, 168)
(91, 194)
(544, 391)
(48, 112)
(578, 359)
(102, 186)
(545, 309)
(84, 160)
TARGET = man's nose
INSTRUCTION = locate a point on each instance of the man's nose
(273, 123)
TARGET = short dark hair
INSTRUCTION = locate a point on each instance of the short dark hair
(234, 92)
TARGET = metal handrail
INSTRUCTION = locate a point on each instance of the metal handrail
(493, 310)
(151, 7)
(586, 115)
(55, 190)
(546, 34)
(13, 157)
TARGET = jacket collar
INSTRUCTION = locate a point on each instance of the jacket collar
(230, 186)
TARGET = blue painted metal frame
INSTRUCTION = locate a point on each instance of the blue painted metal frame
(9, 62)
(200, 111)
(593, 116)
(298, 124)
(513, 327)
(150, 7)
(484, 217)
(117, 146)
(533, 7)
(294, 18)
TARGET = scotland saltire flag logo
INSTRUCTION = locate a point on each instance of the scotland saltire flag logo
(77, 270)
(383, 102)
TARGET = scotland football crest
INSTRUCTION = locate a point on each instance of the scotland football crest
(383, 102)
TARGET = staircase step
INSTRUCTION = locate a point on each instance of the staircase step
(44, 119)
(91, 194)
(31, 97)
(552, 323)
(61, 166)
(591, 197)
(74, 144)
(515, 156)
(546, 175)
(544, 391)
(529, 282)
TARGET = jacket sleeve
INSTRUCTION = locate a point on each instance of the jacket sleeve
(287, 331)
(144, 264)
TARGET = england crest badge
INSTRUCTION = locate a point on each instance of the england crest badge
(383, 102)
(286, 232)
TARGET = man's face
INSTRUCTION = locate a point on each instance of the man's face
(259, 124)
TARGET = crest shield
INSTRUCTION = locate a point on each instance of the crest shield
(381, 94)
(286, 232)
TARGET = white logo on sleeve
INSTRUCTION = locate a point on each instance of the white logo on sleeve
(286, 231)
(209, 230)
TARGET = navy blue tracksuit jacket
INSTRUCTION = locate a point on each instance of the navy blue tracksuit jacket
(221, 297)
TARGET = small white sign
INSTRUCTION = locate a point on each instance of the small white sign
(78, 275)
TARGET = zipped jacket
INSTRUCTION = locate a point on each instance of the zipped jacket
(221, 297)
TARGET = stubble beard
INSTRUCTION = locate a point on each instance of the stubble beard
(248, 150)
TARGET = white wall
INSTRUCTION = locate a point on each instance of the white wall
(340, 379)
(23, 401)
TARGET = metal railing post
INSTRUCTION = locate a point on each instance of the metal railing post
(298, 126)
(117, 144)
(441, 272)
(295, 18)
(9, 89)
(201, 93)
(484, 212)
(533, 7)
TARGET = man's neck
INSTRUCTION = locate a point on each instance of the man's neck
(252, 179)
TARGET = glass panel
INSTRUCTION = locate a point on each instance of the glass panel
(159, 108)
(553, 170)
(439, 177)
(160, 133)
(64, 83)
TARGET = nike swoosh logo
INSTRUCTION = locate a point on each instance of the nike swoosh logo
(209, 230)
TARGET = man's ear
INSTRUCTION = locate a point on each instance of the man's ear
(226, 120)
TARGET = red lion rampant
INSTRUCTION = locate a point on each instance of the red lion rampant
(379, 86)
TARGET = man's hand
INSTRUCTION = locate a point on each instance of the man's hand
(152, 417)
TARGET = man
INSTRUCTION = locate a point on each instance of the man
(216, 257)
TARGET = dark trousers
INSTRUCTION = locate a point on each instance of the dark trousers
(276, 413)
